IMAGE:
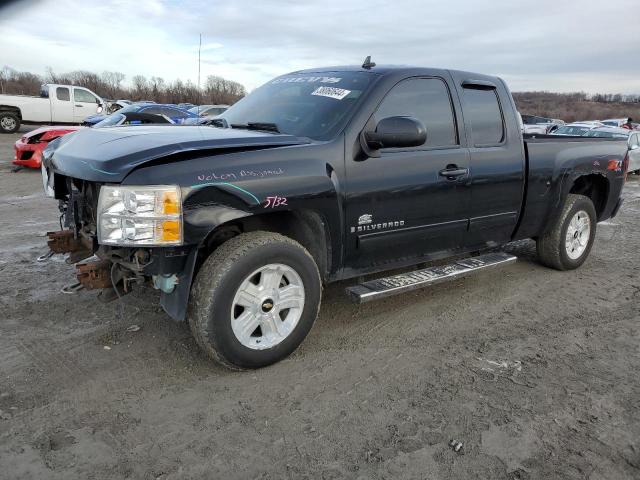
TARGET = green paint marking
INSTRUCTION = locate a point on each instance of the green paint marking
(97, 169)
(200, 185)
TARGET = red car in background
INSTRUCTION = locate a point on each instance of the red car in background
(30, 146)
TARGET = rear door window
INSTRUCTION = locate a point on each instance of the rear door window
(427, 100)
(62, 94)
(483, 113)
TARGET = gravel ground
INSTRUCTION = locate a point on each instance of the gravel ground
(535, 371)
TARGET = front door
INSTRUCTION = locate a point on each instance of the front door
(85, 103)
(412, 203)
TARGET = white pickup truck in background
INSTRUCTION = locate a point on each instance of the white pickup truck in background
(57, 104)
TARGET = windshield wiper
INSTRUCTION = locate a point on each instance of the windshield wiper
(265, 126)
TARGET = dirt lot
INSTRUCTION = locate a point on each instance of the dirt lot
(534, 371)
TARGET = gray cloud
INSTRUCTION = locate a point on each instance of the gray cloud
(542, 44)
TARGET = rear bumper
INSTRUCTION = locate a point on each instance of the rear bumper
(28, 154)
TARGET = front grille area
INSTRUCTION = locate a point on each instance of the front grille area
(26, 155)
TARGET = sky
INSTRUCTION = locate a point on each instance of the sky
(554, 45)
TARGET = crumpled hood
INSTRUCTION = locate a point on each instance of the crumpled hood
(110, 154)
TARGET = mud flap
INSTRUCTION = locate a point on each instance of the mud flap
(175, 303)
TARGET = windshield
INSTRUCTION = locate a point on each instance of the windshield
(111, 120)
(131, 108)
(313, 105)
(570, 131)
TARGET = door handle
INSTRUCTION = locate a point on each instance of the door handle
(453, 171)
(79, 105)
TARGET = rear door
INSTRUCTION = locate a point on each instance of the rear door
(497, 163)
(85, 103)
(403, 205)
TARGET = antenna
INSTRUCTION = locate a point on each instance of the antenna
(199, 94)
(368, 64)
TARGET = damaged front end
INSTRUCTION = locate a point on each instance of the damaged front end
(121, 237)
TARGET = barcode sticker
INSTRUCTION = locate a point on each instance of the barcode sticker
(331, 92)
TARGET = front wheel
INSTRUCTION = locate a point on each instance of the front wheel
(567, 245)
(254, 300)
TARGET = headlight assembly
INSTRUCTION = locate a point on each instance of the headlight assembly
(146, 215)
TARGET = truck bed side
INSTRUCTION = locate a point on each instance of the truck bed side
(557, 166)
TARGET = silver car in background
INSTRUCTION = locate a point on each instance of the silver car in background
(576, 129)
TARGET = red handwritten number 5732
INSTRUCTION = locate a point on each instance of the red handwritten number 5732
(273, 202)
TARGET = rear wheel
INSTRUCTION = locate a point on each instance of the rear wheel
(254, 300)
(9, 122)
(567, 245)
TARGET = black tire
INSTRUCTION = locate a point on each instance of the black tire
(551, 247)
(219, 278)
(9, 118)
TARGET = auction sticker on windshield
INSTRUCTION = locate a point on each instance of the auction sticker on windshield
(331, 92)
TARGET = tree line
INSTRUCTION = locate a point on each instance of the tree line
(110, 85)
(572, 107)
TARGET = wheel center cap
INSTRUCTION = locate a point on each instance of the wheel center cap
(267, 305)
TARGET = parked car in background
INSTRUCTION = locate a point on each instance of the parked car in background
(209, 110)
(615, 122)
(133, 118)
(57, 104)
(576, 129)
(634, 152)
(30, 146)
(534, 124)
(608, 132)
(186, 106)
(177, 115)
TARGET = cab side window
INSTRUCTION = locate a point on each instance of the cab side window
(427, 100)
(83, 96)
(62, 94)
(482, 111)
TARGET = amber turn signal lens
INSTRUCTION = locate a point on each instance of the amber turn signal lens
(169, 231)
(170, 203)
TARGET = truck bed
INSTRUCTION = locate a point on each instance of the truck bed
(552, 163)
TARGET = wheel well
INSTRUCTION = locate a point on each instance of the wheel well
(595, 187)
(12, 109)
(304, 226)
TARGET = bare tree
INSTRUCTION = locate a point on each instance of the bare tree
(111, 82)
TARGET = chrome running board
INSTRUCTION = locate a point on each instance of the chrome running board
(405, 282)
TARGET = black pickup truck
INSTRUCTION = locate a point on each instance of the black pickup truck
(318, 176)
